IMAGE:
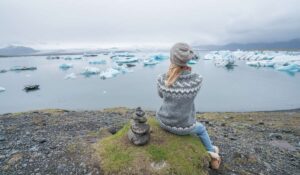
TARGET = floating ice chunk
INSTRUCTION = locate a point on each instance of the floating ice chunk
(297, 62)
(149, 62)
(159, 57)
(68, 58)
(126, 60)
(65, 66)
(263, 63)
(209, 56)
(121, 54)
(97, 62)
(21, 68)
(89, 55)
(2, 89)
(70, 76)
(90, 71)
(77, 58)
(192, 62)
(109, 73)
(266, 63)
(253, 63)
(289, 68)
(286, 58)
(122, 69)
(225, 60)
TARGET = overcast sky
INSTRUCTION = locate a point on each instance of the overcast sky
(91, 23)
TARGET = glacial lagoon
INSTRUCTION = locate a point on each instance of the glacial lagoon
(62, 85)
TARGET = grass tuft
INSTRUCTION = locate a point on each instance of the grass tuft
(171, 153)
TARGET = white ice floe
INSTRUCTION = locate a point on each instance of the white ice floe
(109, 73)
(2, 89)
(263, 63)
(192, 62)
(126, 60)
(159, 57)
(90, 55)
(209, 56)
(97, 62)
(149, 62)
(77, 58)
(122, 69)
(68, 58)
(65, 66)
(70, 76)
(121, 54)
(90, 71)
(289, 68)
(280, 60)
(223, 58)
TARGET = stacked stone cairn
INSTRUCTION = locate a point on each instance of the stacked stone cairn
(139, 133)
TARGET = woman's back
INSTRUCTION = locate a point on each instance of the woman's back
(177, 113)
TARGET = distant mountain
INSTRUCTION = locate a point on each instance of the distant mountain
(283, 45)
(17, 51)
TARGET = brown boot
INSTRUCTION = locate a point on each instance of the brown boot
(215, 160)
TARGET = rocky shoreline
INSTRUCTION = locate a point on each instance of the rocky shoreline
(59, 141)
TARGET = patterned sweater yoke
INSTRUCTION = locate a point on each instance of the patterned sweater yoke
(177, 112)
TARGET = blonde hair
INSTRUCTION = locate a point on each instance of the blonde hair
(172, 74)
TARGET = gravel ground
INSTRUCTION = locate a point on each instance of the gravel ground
(60, 141)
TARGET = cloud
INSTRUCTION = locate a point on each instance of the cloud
(75, 23)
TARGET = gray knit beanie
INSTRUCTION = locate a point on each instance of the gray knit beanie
(180, 54)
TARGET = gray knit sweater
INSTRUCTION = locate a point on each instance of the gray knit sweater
(177, 113)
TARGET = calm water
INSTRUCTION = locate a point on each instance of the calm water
(242, 89)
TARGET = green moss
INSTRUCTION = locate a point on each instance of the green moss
(157, 154)
(171, 153)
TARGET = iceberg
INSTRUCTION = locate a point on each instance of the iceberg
(224, 60)
(77, 58)
(21, 68)
(90, 71)
(126, 60)
(2, 89)
(68, 58)
(263, 63)
(109, 73)
(65, 66)
(97, 62)
(286, 58)
(122, 69)
(121, 54)
(149, 62)
(159, 57)
(192, 62)
(289, 68)
(209, 56)
(89, 55)
(70, 76)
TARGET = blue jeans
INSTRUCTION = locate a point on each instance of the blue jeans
(201, 132)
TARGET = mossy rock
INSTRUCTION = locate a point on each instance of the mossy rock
(165, 153)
